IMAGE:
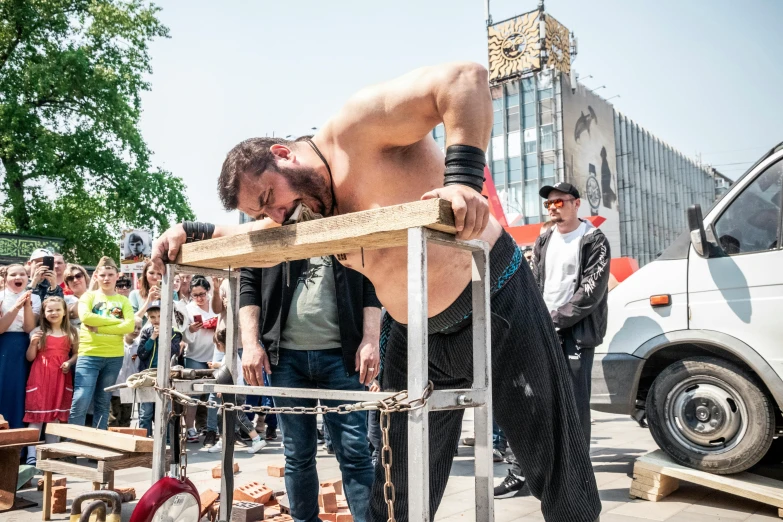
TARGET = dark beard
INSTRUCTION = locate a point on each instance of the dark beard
(308, 183)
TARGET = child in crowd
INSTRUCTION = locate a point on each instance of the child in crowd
(18, 314)
(256, 442)
(120, 413)
(148, 356)
(106, 317)
(53, 350)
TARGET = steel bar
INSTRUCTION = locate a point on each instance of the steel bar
(482, 382)
(418, 360)
(162, 403)
(295, 393)
(457, 399)
(230, 360)
(208, 272)
(441, 238)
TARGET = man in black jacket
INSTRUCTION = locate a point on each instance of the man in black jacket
(319, 325)
(571, 268)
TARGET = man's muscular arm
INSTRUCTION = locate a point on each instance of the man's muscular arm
(404, 111)
(166, 247)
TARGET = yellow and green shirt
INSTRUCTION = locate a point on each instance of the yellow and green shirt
(112, 315)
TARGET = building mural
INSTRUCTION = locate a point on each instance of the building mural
(558, 45)
(514, 47)
(589, 156)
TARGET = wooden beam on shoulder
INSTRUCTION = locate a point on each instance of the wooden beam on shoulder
(382, 227)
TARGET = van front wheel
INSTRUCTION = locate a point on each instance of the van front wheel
(710, 415)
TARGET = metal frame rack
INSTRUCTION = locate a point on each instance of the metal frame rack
(478, 397)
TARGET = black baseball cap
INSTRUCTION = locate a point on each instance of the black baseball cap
(154, 305)
(562, 187)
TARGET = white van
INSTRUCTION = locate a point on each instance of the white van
(695, 338)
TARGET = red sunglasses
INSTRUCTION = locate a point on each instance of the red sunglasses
(557, 203)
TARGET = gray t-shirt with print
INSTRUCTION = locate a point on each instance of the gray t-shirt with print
(312, 322)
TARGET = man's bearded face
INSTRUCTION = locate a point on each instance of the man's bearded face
(276, 194)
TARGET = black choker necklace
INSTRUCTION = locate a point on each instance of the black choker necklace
(329, 170)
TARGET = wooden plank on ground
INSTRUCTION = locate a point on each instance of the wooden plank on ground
(103, 438)
(370, 229)
(76, 449)
(74, 470)
(748, 485)
(18, 436)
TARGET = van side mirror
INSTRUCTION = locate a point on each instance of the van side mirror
(698, 234)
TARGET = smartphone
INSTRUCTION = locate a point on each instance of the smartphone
(48, 262)
(197, 319)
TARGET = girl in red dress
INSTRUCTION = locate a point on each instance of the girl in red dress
(53, 350)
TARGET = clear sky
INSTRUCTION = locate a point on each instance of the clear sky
(703, 75)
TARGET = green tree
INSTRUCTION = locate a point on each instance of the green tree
(73, 160)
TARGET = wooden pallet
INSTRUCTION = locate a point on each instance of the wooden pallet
(656, 476)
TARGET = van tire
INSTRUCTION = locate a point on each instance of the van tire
(696, 399)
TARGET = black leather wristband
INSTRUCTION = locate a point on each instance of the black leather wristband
(197, 231)
(465, 166)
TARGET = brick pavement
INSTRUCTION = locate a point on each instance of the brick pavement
(617, 441)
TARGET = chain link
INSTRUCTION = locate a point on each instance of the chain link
(393, 404)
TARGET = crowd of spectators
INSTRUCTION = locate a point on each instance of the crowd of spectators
(66, 335)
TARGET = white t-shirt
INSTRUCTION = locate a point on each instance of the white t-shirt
(201, 347)
(7, 301)
(562, 266)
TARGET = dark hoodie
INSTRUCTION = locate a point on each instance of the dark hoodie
(585, 314)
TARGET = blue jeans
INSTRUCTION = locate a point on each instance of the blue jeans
(321, 369)
(212, 413)
(146, 413)
(90, 377)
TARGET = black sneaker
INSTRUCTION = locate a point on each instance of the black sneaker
(510, 487)
(209, 439)
(271, 433)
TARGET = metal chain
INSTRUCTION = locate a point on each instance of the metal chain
(386, 406)
(183, 443)
(389, 493)
(394, 404)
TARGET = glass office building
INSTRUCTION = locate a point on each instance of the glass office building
(548, 127)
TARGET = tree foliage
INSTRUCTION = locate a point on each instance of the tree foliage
(73, 160)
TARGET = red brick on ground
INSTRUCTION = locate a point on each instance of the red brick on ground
(55, 482)
(217, 471)
(208, 497)
(344, 515)
(327, 517)
(337, 484)
(276, 470)
(270, 512)
(253, 492)
(328, 499)
(126, 494)
(59, 499)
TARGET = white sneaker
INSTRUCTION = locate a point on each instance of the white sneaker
(217, 447)
(257, 446)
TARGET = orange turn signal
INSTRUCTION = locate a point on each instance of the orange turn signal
(660, 300)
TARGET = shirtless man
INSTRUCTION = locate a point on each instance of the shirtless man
(378, 151)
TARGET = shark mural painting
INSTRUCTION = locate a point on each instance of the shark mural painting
(589, 156)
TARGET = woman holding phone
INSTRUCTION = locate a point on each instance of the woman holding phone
(43, 281)
(200, 350)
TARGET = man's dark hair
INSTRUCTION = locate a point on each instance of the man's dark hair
(252, 157)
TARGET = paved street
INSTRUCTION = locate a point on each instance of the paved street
(617, 441)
